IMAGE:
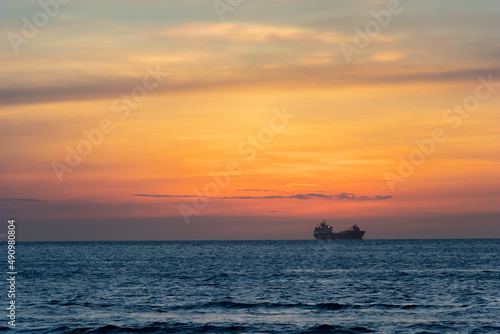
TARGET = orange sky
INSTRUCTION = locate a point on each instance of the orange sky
(225, 100)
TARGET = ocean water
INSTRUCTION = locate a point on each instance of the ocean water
(343, 286)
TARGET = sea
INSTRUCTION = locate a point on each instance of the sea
(342, 286)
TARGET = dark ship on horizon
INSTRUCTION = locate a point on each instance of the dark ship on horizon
(324, 232)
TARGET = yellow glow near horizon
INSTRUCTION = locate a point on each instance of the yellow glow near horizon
(353, 122)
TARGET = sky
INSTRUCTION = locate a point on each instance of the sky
(208, 120)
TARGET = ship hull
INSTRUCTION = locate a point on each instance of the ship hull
(351, 235)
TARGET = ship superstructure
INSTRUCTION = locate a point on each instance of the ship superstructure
(324, 232)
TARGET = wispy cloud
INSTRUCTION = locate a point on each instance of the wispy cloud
(309, 196)
(252, 190)
(287, 74)
(20, 200)
(245, 32)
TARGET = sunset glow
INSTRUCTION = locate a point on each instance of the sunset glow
(255, 127)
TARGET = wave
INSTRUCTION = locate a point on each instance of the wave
(226, 304)
(338, 329)
(236, 305)
(333, 306)
(159, 327)
(190, 328)
(156, 327)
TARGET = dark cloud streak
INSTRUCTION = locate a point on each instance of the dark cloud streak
(20, 200)
(113, 88)
(309, 196)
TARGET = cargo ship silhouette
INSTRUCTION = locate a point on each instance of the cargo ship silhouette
(324, 232)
